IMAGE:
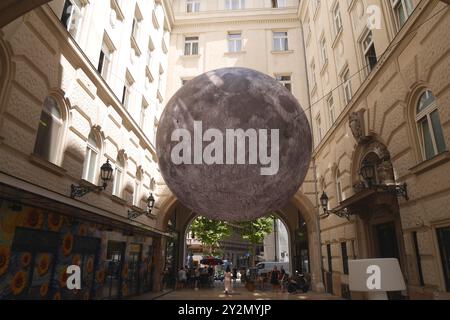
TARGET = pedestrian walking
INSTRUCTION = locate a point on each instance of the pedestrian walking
(227, 280)
(274, 278)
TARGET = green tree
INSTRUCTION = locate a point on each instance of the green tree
(210, 232)
(255, 231)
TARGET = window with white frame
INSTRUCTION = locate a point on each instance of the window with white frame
(105, 59)
(402, 10)
(339, 197)
(144, 108)
(318, 129)
(234, 41)
(312, 75)
(285, 80)
(429, 126)
(91, 159)
(331, 110)
(369, 52)
(49, 133)
(72, 16)
(190, 46)
(127, 91)
(118, 176)
(136, 26)
(323, 51)
(192, 6)
(234, 4)
(347, 85)
(280, 41)
(337, 19)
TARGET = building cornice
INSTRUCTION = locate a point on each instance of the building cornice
(259, 16)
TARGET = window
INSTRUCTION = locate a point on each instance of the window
(105, 60)
(72, 16)
(337, 20)
(280, 41)
(418, 257)
(285, 81)
(190, 46)
(136, 27)
(312, 75)
(338, 187)
(118, 176)
(234, 42)
(347, 86)
(444, 248)
(192, 5)
(318, 129)
(91, 159)
(49, 132)
(323, 51)
(126, 94)
(429, 126)
(278, 3)
(344, 257)
(137, 189)
(143, 113)
(370, 55)
(234, 4)
(331, 111)
(402, 10)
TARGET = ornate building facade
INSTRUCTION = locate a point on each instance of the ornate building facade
(84, 82)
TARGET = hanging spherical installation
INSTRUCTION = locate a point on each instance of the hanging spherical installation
(233, 144)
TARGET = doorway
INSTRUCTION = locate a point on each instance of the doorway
(114, 264)
(387, 245)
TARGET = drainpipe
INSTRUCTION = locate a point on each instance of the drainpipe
(320, 284)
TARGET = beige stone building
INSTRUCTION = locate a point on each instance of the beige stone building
(377, 96)
(82, 83)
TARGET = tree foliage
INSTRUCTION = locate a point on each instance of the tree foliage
(255, 231)
(210, 232)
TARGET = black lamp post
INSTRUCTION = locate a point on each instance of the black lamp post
(324, 201)
(106, 171)
(367, 172)
(133, 214)
(342, 213)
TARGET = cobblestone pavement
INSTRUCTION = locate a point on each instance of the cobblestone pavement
(239, 293)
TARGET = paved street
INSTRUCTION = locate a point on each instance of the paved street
(239, 293)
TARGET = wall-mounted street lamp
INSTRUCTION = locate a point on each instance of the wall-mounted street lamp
(133, 214)
(368, 173)
(342, 213)
(106, 171)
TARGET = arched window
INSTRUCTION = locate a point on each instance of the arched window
(137, 189)
(49, 133)
(118, 176)
(91, 159)
(338, 187)
(429, 126)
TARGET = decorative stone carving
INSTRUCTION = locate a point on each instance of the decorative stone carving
(356, 123)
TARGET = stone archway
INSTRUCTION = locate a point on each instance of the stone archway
(299, 205)
(13, 9)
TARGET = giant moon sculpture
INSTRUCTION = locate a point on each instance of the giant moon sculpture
(200, 151)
